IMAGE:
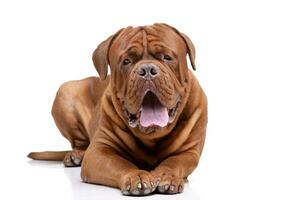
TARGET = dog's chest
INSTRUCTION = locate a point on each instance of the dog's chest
(148, 155)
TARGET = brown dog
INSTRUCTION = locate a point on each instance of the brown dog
(142, 128)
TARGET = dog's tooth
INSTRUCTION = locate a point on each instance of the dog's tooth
(133, 123)
(139, 186)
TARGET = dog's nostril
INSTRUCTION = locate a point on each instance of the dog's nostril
(142, 72)
(153, 71)
(148, 70)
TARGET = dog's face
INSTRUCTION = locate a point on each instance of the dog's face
(148, 73)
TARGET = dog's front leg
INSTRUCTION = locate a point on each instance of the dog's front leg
(103, 165)
(173, 172)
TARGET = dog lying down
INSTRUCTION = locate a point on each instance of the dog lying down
(142, 128)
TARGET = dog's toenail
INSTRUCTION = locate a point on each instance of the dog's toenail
(161, 189)
(172, 187)
(139, 186)
(147, 191)
(180, 188)
(145, 185)
(76, 161)
(125, 192)
(135, 192)
(166, 187)
(151, 183)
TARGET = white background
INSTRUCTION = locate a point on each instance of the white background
(248, 61)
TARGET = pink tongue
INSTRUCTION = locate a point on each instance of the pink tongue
(153, 113)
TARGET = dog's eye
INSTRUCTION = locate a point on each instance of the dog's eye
(167, 58)
(126, 61)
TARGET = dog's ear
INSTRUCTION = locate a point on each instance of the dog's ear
(189, 44)
(100, 56)
(190, 48)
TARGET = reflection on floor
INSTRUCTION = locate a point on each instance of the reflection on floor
(79, 190)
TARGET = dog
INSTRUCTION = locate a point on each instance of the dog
(142, 128)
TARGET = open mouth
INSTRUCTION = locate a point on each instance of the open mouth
(152, 113)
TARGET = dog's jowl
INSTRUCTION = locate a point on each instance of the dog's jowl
(142, 128)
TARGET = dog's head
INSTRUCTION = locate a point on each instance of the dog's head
(149, 74)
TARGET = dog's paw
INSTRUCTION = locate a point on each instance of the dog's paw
(169, 183)
(73, 158)
(138, 182)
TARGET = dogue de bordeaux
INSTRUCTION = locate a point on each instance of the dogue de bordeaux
(142, 128)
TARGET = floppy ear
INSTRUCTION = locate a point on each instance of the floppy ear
(189, 44)
(191, 49)
(100, 56)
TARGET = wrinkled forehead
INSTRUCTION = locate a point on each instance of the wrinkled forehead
(147, 37)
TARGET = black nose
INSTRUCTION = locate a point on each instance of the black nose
(148, 70)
